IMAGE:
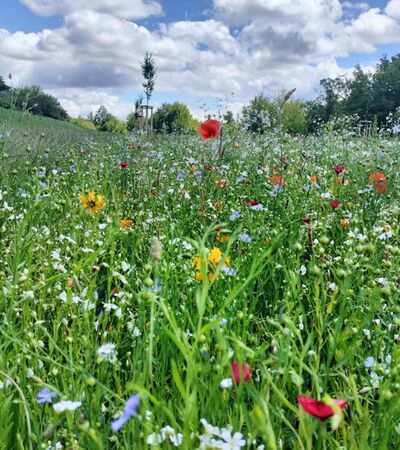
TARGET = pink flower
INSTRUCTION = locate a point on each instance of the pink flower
(241, 372)
(318, 408)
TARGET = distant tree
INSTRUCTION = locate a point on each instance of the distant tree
(149, 71)
(3, 85)
(134, 115)
(333, 93)
(228, 118)
(359, 94)
(101, 117)
(261, 115)
(35, 101)
(386, 88)
(173, 117)
(294, 119)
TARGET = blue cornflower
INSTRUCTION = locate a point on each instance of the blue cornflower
(369, 362)
(235, 215)
(130, 409)
(46, 395)
(245, 237)
(228, 270)
(180, 176)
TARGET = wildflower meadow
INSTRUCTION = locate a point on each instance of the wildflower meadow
(210, 291)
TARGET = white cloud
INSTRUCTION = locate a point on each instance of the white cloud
(247, 46)
(393, 9)
(126, 9)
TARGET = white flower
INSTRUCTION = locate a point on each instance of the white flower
(154, 439)
(234, 442)
(332, 286)
(66, 405)
(169, 433)
(107, 352)
(125, 266)
(303, 270)
(226, 383)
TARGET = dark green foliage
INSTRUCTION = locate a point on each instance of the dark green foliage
(365, 95)
(261, 115)
(173, 117)
(34, 100)
(149, 71)
(3, 85)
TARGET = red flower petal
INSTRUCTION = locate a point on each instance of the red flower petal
(210, 129)
(318, 408)
(241, 372)
(335, 204)
(124, 164)
(339, 169)
(306, 219)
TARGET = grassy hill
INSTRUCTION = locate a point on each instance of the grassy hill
(11, 120)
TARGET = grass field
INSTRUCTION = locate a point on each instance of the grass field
(181, 264)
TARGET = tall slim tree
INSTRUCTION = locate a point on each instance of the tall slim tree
(149, 71)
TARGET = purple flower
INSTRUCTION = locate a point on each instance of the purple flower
(245, 237)
(235, 215)
(258, 207)
(130, 409)
(46, 395)
(228, 270)
(180, 176)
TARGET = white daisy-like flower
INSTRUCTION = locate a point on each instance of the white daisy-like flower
(66, 405)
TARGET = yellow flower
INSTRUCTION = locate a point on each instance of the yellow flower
(213, 259)
(92, 201)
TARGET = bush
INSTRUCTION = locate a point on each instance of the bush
(294, 119)
(114, 125)
(84, 123)
(173, 118)
(261, 115)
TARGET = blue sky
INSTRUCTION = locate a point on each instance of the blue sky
(205, 49)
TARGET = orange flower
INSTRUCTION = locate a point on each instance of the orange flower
(218, 206)
(314, 179)
(221, 184)
(344, 223)
(126, 223)
(193, 169)
(277, 179)
(380, 181)
(223, 239)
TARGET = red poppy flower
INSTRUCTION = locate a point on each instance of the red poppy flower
(380, 181)
(241, 372)
(318, 408)
(124, 164)
(335, 204)
(339, 169)
(306, 219)
(210, 129)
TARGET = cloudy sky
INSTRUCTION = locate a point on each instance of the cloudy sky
(88, 52)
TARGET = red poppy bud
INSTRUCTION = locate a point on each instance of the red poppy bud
(335, 204)
(253, 202)
(210, 129)
(124, 164)
(241, 372)
(306, 219)
(339, 169)
(318, 408)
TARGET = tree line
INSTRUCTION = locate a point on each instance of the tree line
(369, 96)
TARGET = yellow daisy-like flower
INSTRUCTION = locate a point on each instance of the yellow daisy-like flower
(213, 259)
(92, 202)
